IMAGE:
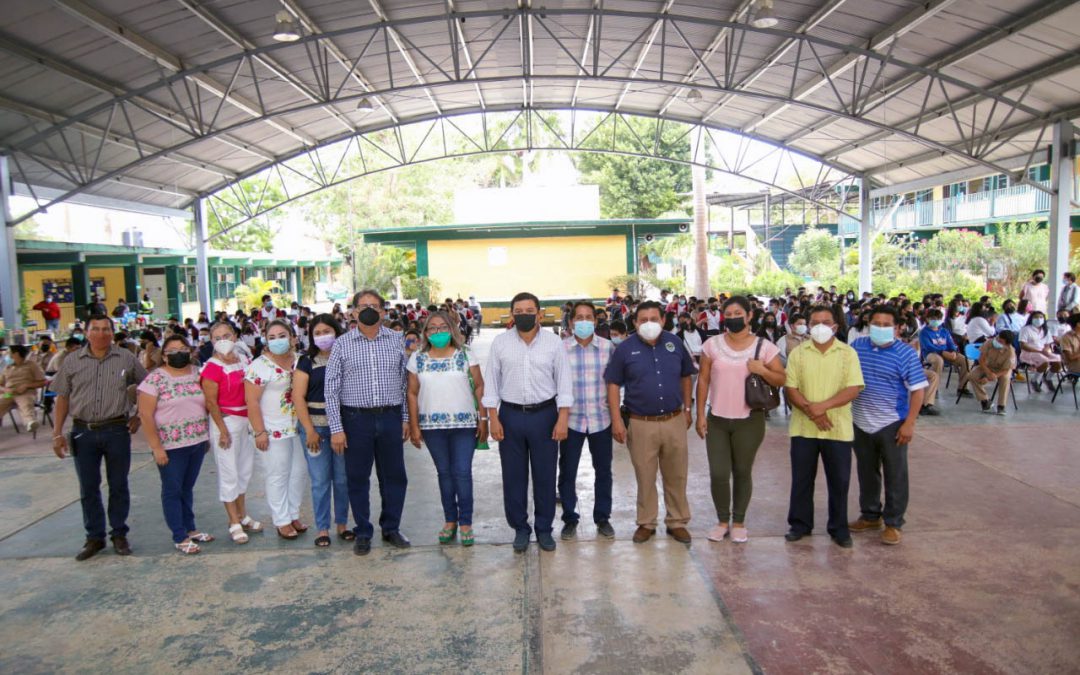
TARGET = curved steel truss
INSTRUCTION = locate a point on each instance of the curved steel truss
(196, 130)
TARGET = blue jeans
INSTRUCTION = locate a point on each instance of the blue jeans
(53, 325)
(375, 438)
(87, 449)
(528, 444)
(327, 469)
(836, 458)
(452, 451)
(178, 488)
(570, 457)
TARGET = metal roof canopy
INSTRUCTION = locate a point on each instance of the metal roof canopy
(164, 102)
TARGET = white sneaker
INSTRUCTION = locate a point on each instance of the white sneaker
(718, 532)
(31, 425)
(739, 535)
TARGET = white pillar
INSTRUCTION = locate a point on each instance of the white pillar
(866, 238)
(9, 278)
(1061, 182)
(202, 269)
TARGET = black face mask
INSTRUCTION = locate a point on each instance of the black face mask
(735, 324)
(369, 316)
(524, 322)
(178, 359)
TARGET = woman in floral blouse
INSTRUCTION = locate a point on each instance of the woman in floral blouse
(173, 413)
(443, 406)
(268, 390)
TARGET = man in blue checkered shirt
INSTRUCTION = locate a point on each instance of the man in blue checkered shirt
(365, 396)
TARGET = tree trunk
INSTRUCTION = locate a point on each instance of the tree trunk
(701, 237)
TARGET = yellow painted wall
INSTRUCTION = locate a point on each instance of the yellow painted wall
(32, 278)
(559, 267)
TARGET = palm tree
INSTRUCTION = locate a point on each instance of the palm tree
(701, 237)
(250, 293)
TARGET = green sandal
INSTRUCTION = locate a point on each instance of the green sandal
(467, 538)
(446, 536)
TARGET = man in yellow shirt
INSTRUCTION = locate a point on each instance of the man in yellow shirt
(823, 378)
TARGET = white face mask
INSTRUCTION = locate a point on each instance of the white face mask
(800, 329)
(224, 347)
(650, 330)
(821, 333)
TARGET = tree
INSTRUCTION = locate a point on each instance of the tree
(249, 294)
(256, 234)
(815, 253)
(1021, 248)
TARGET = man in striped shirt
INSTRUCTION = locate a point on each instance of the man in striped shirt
(590, 419)
(884, 415)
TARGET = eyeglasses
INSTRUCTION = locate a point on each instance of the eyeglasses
(368, 306)
(437, 329)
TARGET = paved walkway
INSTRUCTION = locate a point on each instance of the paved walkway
(986, 581)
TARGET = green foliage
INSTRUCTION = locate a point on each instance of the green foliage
(815, 253)
(249, 294)
(424, 289)
(632, 187)
(254, 235)
(773, 282)
(730, 275)
(1022, 247)
(632, 284)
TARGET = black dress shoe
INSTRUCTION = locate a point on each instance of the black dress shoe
(604, 529)
(569, 531)
(793, 535)
(90, 549)
(121, 545)
(362, 546)
(521, 541)
(546, 541)
(396, 539)
(843, 543)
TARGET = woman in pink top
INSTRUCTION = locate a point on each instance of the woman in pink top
(173, 414)
(732, 431)
(230, 435)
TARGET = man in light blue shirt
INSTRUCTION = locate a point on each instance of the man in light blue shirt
(884, 415)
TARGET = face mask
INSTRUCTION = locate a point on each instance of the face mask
(524, 322)
(996, 345)
(821, 333)
(178, 359)
(325, 342)
(712, 308)
(249, 340)
(224, 347)
(204, 338)
(439, 340)
(962, 310)
(1010, 309)
(1038, 322)
(268, 305)
(800, 330)
(584, 329)
(1038, 279)
(650, 330)
(410, 343)
(616, 340)
(935, 323)
(735, 325)
(882, 335)
(369, 316)
(78, 336)
(278, 345)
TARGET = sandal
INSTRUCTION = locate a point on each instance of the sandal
(201, 537)
(187, 547)
(299, 526)
(467, 537)
(447, 535)
(251, 525)
(281, 534)
(322, 541)
(347, 535)
(236, 531)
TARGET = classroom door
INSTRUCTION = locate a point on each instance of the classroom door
(153, 283)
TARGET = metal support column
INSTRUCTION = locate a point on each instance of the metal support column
(9, 279)
(1061, 182)
(202, 269)
(866, 238)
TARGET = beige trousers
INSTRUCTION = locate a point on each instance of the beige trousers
(660, 445)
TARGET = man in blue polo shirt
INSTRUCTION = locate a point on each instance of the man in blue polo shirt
(655, 368)
(938, 347)
(884, 415)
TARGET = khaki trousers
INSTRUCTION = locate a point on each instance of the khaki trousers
(931, 391)
(937, 364)
(660, 445)
(1003, 383)
(25, 404)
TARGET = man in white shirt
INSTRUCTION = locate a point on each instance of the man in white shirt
(528, 395)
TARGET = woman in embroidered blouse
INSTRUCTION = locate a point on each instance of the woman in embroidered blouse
(173, 414)
(443, 406)
(230, 435)
(268, 390)
(326, 468)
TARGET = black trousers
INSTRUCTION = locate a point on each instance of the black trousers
(836, 458)
(877, 455)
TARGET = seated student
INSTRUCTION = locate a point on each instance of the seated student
(1037, 349)
(996, 363)
(980, 324)
(1070, 345)
(1009, 319)
(19, 383)
(1061, 326)
(937, 347)
(909, 333)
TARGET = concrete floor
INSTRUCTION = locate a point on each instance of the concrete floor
(987, 579)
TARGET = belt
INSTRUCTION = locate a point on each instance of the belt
(371, 411)
(533, 407)
(655, 418)
(114, 422)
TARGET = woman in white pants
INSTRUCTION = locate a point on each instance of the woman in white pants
(222, 379)
(268, 389)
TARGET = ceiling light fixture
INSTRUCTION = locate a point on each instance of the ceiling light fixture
(693, 96)
(364, 106)
(285, 27)
(765, 16)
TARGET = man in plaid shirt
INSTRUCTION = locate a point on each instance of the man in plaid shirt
(590, 419)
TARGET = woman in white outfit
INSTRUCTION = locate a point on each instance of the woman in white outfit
(222, 379)
(268, 388)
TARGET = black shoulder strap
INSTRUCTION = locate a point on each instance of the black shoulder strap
(757, 351)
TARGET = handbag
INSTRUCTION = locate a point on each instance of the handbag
(760, 395)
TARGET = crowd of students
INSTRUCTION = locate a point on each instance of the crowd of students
(322, 399)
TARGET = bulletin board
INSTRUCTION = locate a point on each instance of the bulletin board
(97, 287)
(59, 289)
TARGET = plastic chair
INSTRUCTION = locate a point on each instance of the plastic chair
(1074, 379)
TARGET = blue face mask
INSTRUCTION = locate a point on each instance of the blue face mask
(996, 345)
(278, 345)
(584, 329)
(616, 340)
(882, 335)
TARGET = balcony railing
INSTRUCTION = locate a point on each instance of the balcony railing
(1018, 200)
